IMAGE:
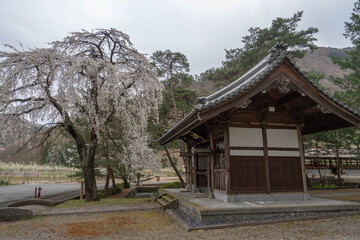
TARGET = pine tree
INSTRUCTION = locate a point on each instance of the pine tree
(257, 44)
(350, 83)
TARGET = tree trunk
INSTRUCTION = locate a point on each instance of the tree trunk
(318, 164)
(112, 177)
(173, 93)
(106, 187)
(338, 160)
(89, 171)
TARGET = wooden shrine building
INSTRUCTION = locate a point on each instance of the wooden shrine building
(245, 140)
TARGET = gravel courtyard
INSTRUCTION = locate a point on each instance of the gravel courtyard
(156, 224)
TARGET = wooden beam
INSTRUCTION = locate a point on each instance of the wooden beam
(227, 159)
(266, 160)
(203, 150)
(288, 98)
(307, 111)
(302, 158)
(269, 148)
(173, 165)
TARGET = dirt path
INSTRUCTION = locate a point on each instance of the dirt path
(156, 224)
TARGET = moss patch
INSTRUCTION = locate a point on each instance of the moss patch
(326, 186)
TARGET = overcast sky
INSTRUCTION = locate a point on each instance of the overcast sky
(200, 29)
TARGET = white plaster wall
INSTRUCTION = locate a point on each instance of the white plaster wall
(286, 138)
(246, 152)
(245, 137)
(272, 153)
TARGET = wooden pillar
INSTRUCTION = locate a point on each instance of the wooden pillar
(302, 156)
(188, 167)
(266, 160)
(173, 165)
(193, 155)
(208, 175)
(227, 159)
(212, 160)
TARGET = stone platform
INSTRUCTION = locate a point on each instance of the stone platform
(204, 210)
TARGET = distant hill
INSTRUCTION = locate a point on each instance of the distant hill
(320, 61)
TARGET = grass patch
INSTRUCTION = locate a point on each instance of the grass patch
(103, 202)
(326, 186)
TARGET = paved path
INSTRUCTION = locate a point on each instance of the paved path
(13, 193)
(49, 211)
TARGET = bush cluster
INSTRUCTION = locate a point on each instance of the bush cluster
(171, 185)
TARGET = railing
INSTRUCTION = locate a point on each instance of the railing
(219, 179)
(327, 162)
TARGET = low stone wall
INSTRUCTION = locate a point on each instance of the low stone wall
(14, 214)
(32, 202)
(143, 191)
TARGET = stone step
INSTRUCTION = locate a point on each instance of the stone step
(168, 198)
(161, 201)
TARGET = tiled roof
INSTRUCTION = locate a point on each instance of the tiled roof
(255, 75)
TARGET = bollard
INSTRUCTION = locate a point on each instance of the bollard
(39, 192)
(35, 192)
(82, 190)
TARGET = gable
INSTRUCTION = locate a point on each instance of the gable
(274, 82)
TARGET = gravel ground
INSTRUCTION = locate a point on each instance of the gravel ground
(157, 224)
(283, 216)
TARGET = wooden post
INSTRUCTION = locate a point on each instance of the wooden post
(212, 160)
(194, 155)
(208, 175)
(266, 160)
(189, 169)
(82, 190)
(175, 168)
(302, 157)
(227, 159)
(182, 149)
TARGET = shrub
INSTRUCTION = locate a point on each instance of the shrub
(102, 194)
(171, 185)
(4, 183)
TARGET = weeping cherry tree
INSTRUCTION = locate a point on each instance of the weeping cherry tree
(80, 85)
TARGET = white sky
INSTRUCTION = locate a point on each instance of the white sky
(200, 29)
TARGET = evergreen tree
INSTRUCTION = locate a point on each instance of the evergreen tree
(169, 64)
(350, 83)
(257, 44)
